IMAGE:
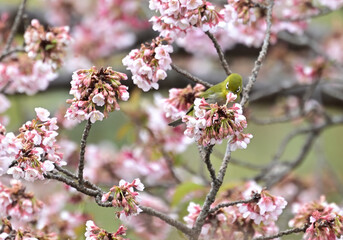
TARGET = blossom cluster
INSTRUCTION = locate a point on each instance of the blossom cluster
(125, 197)
(212, 123)
(35, 148)
(246, 23)
(26, 217)
(8, 149)
(181, 99)
(324, 220)
(93, 232)
(177, 17)
(307, 74)
(24, 75)
(48, 45)
(18, 205)
(10, 232)
(266, 210)
(256, 218)
(115, 19)
(149, 63)
(94, 90)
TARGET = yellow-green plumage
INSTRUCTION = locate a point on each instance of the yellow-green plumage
(218, 92)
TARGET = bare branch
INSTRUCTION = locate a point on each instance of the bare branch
(261, 56)
(190, 76)
(14, 28)
(69, 182)
(210, 198)
(220, 53)
(175, 223)
(205, 154)
(83, 150)
(283, 233)
(73, 176)
(170, 165)
(10, 52)
(256, 197)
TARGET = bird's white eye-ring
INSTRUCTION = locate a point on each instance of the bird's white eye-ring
(238, 89)
(227, 85)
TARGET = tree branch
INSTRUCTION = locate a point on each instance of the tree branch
(256, 197)
(14, 28)
(283, 233)
(175, 223)
(210, 198)
(10, 52)
(220, 53)
(83, 150)
(261, 56)
(205, 154)
(69, 182)
(190, 76)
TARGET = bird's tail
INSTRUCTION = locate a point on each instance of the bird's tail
(176, 122)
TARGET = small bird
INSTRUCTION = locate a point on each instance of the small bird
(217, 93)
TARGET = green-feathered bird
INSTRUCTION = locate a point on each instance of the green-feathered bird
(217, 93)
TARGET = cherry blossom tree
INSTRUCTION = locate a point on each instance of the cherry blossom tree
(148, 184)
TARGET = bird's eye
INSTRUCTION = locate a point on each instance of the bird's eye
(238, 89)
(227, 85)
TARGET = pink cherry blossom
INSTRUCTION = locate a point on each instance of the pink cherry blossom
(18, 204)
(9, 147)
(212, 123)
(95, 90)
(126, 197)
(149, 63)
(36, 149)
(325, 220)
(307, 74)
(266, 210)
(178, 17)
(93, 232)
(180, 100)
(47, 45)
(24, 75)
(4, 103)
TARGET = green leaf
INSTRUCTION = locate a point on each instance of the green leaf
(182, 190)
(49, 46)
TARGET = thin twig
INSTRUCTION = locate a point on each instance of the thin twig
(261, 56)
(69, 182)
(205, 154)
(152, 212)
(10, 52)
(255, 198)
(175, 223)
(220, 53)
(73, 176)
(83, 150)
(283, 233)
(211, 196)
(14, 28)
(190, 76)
(170, 165)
